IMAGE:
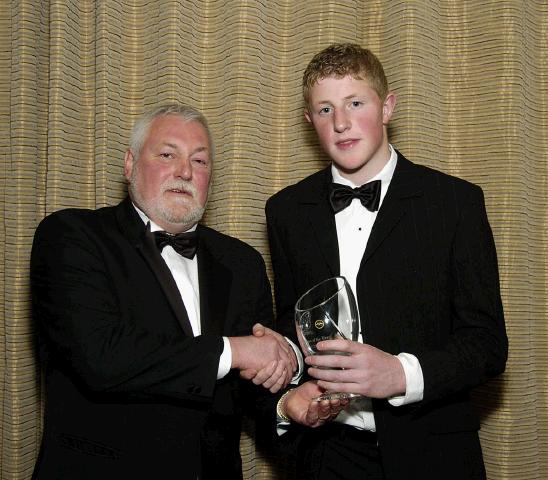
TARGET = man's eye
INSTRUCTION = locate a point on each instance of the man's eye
(356, 103)
(325, 110)
(166, 155)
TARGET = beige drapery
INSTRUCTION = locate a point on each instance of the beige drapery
(472, 84)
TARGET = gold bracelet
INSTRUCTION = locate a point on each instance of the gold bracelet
(279, 407)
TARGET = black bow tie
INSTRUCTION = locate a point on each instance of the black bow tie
(184, 244)
(369, 194)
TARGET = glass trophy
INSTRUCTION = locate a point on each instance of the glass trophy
(327, 311)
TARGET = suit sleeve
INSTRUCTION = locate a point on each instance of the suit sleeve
(88, 327)
(477, 346)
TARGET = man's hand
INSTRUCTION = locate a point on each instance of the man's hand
(300, 406)
(265, 358)
(365, 369)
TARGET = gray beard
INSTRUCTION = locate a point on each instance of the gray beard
(158, 211)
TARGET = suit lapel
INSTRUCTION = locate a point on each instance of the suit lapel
(215, 284)
(143, 240)
(403, 186)
(322, 220)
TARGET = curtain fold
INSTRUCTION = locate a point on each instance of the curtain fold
(472, 85)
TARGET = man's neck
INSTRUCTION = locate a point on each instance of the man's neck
(365, 175)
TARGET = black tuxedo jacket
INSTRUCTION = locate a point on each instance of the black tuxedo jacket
(130, 393)
(427, 285)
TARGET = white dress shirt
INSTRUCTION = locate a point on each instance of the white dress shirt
(354, 225)
(185, 274)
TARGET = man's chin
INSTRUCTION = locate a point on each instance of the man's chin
(184, 218)
(171, 217)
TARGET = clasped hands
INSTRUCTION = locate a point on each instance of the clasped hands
(265, 358)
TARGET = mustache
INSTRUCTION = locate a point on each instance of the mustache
(180, 185)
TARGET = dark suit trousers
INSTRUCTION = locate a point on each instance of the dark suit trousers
(339, 452)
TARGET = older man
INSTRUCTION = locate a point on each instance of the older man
(145, 319)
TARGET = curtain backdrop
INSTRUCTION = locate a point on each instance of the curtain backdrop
(472, 83)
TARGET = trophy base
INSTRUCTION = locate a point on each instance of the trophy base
(336, 396)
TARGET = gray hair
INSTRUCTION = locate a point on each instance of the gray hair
(142, 125)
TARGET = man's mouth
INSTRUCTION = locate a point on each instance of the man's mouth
(347, 144)
(179, 191)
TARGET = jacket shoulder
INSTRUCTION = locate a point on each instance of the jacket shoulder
(444, 184)
(74, 218)
(299, 191)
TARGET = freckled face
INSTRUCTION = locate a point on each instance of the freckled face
(170, 179)
(351, 122)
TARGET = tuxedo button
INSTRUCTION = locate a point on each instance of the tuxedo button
(194, 389)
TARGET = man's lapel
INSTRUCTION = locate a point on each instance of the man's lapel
(322, 220)
(215, 284)
(404, 186)
(143, 240)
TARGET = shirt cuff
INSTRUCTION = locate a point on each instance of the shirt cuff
(414, 381)
(300, 368)
(226, 359)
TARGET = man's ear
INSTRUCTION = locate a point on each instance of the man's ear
(307, 115)
(129, 161)
(388, 107)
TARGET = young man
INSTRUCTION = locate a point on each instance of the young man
(145, 320)
(418, 252)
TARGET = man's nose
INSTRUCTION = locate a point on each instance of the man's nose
(341, 121)
(183, 168)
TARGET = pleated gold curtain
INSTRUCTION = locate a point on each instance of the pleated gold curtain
(472, 83)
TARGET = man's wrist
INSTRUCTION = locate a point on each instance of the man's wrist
(239, 347)
(280, 408)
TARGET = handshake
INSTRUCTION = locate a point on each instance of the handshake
(266, 358)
